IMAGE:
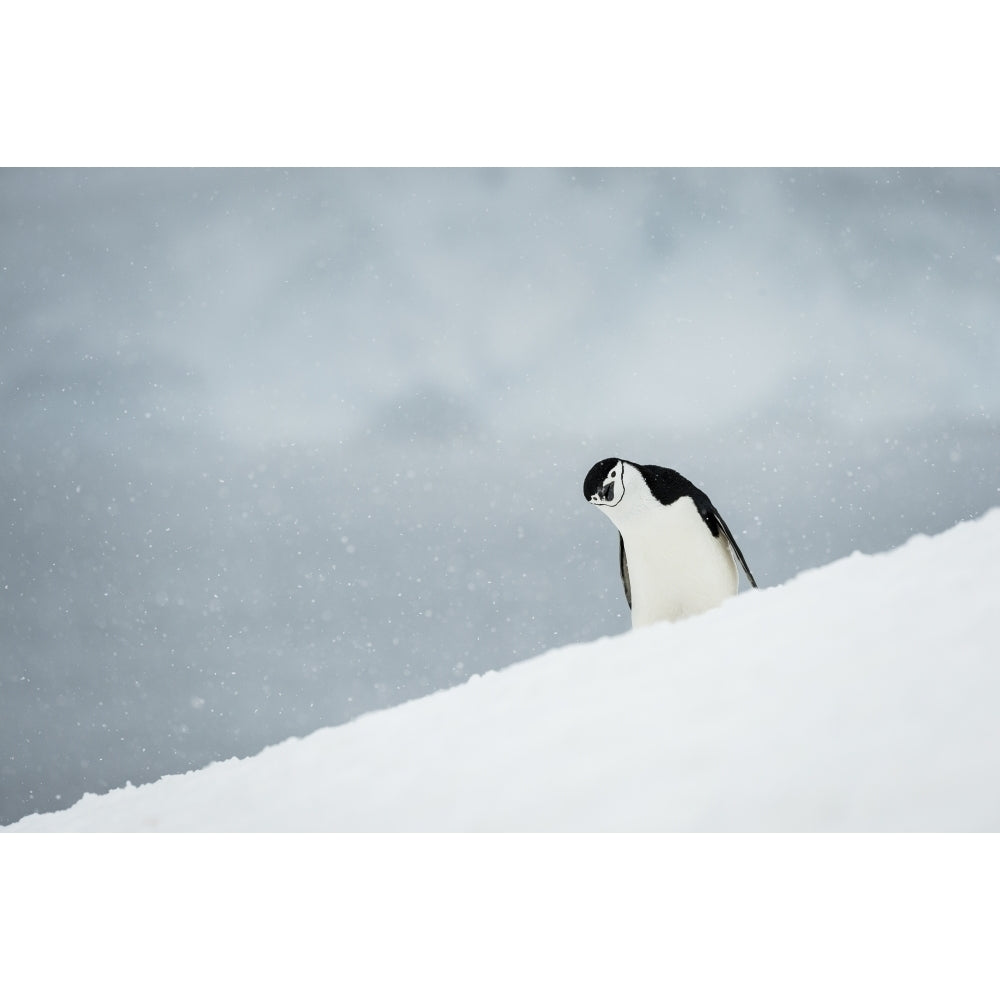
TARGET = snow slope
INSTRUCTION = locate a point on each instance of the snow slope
(864, 695)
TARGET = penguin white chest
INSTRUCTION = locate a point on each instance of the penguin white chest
(676, 566)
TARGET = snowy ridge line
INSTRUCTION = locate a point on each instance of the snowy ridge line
(862, 695)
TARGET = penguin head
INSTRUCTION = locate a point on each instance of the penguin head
(605, 483)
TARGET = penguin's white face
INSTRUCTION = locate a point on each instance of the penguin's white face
(605, 483)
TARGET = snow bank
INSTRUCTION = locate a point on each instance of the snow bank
(860, 696)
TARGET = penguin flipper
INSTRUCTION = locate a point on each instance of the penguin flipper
(623, 566)
(732, 544)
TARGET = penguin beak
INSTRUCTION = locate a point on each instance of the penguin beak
(608, 493)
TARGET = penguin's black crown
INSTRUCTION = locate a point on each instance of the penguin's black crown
(595, 478)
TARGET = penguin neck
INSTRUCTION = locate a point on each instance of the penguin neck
(638, 508)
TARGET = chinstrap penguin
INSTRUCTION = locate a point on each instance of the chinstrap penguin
(676, 555)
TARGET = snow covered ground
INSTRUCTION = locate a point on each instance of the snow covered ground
(860, 696)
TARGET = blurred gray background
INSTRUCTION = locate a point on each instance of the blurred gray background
(280, 447)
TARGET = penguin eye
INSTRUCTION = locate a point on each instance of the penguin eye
(614, 473)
